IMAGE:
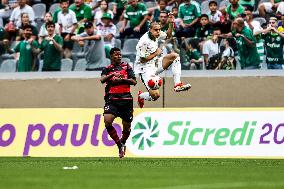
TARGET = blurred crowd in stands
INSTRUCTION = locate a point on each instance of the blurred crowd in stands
(77, 35)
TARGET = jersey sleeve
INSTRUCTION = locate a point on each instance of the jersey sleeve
(17, 48)
(104, 71)
(59, 40)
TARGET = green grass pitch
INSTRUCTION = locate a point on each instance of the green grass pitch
(136, 173)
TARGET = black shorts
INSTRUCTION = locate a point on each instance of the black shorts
(119, 108)
(67, 44)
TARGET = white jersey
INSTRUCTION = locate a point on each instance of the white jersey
(144, 48)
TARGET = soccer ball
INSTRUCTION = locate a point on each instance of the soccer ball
(155, 82)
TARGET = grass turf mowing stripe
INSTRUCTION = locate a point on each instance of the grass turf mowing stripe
(141, 173)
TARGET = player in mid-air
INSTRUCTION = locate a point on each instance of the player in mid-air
(118, 99)
(151, 61)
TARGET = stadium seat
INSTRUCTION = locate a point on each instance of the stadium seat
(150, 4)
(39, 10)
(110, 5)
(129, 49)
(8, 65)
(81, 65)
(205, 7)
(54, 7)
(7, 56)
(66, 64)
(224, 3)
(117, 43)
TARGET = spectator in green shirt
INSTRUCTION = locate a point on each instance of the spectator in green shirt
(189, 16)
(27, 49)
(52, 49)
(246, 44)
(118, 8)
(193, 57)
(234, 9)
(83, 14)
(273, 40)
(204, 30)
(136, 13)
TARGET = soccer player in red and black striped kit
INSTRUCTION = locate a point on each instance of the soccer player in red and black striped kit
(118, 99)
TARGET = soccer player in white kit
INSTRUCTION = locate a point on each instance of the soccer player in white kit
(151, 61)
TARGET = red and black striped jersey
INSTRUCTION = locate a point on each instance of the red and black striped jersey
(118, 91)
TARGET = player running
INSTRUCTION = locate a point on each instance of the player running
(118, 99)
(151, 61)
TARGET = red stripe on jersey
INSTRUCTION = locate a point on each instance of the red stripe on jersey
(119, 89)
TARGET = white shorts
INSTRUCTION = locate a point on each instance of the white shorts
(148, 71)
(280, 8)
(268, 7)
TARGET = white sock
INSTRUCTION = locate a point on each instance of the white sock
(146, 96)
(176, 69)
(159, 70)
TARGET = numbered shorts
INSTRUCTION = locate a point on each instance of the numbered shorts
(149, 71)
(120, 108)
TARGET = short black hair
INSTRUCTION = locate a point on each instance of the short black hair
(213, 2)
(216, 29)
(204, 15)
(154, 23)
(165, 12)
(63, 1)
(49, 23)
(114, 49)
(27, 27)
(174, 8)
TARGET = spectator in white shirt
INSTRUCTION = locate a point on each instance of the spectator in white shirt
(214, 14)
(22, 8)
(211, 47)
(68, 24)
(100, 11)
(107, 30)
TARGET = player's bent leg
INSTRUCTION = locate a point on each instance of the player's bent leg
(168, 60)
(173, 59)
